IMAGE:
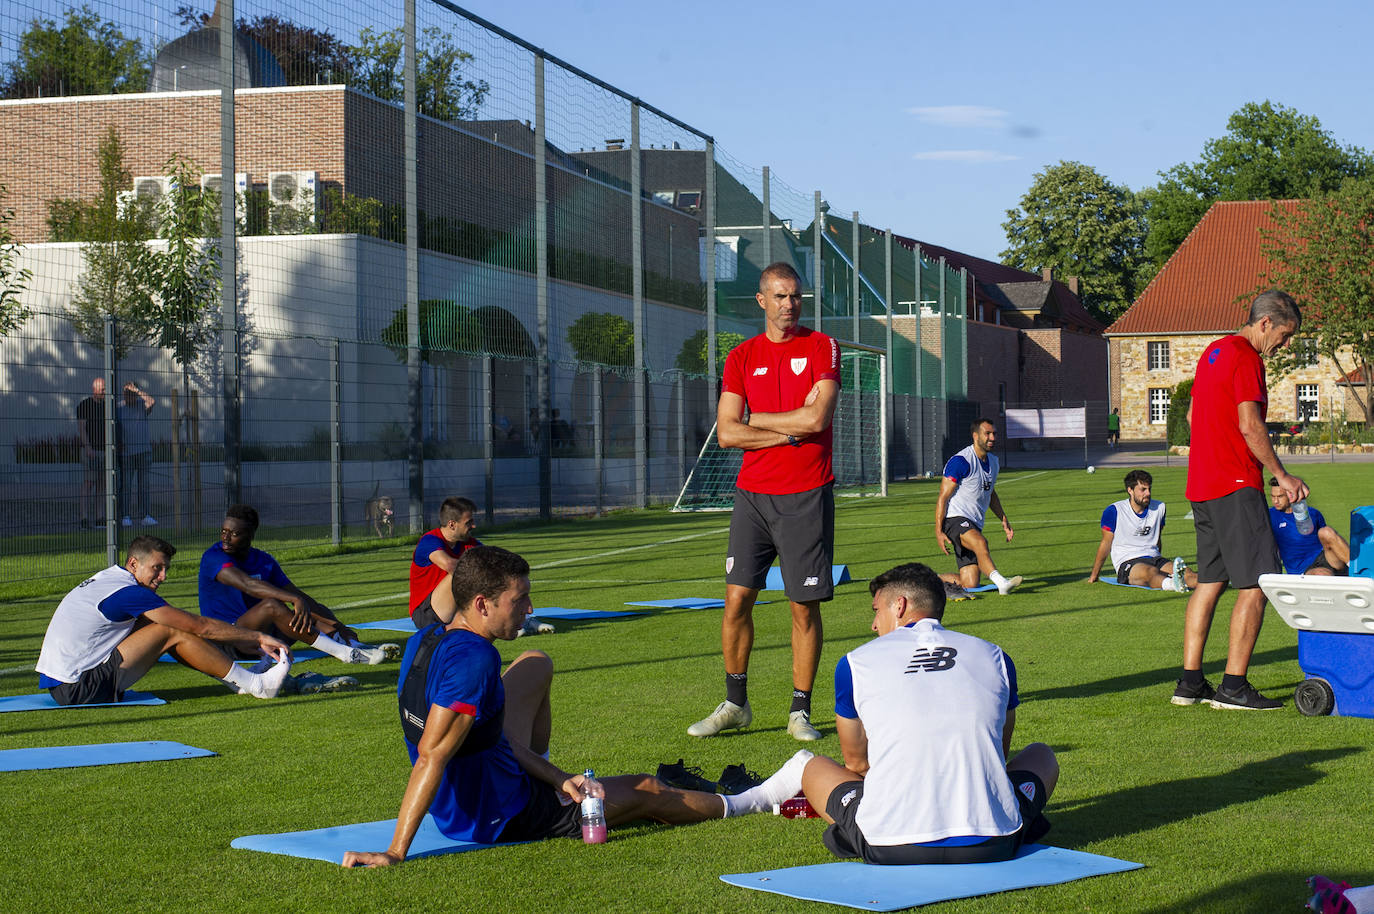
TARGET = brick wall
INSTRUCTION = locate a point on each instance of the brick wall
(992, 361)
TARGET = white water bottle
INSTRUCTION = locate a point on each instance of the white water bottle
(593, 810)
(1302, 517)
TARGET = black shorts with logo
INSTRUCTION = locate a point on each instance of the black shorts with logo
(1123, 571)
(844, 839)
(546, 815)
(97, 686)
(797, 529)
(1234, 540)
(956, 527)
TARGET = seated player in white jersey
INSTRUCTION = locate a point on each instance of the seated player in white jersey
(110, 630)
(925, 718)
(1133, 533)
(967, 491)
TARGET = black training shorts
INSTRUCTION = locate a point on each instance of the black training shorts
(423, 615)
(956, 527)
(546, 815)
(797, 529)
(98, 685)
(1123, 571)
(1234, 541)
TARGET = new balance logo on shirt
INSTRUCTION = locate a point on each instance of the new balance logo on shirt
(761, 370)
(932, 660)
(811, 582)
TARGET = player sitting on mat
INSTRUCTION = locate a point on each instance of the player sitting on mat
(110, 630)
(1323, 551)
(478, 739)
(925, 719)
(246, 587)
(1133, 532)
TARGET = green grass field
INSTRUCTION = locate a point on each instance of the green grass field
(1227, 810)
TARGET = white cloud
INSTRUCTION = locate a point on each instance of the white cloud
(961, 116)
(972, 156)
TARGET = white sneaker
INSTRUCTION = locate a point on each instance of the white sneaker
(799, 726)
(1179, 569)
(369, 655)
(311, 683)
(149, 520)
(1013, 582)
(726, 716)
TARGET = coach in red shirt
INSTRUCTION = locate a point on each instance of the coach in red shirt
(1230, 446)
(788, 378)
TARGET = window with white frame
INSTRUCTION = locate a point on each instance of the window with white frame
(1159, 405)
(1309, 402)
(1305, 352)
(1158, 355)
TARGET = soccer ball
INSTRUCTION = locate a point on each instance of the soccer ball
(1092, 469)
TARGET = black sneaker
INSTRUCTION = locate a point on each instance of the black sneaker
(1187, 694)
(737, 779)
(1246, 698)
(684, 777)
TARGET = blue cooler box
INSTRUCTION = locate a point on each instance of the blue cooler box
(1340, 674)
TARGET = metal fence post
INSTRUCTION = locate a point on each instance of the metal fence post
(599, 441)
(681, 431)
(710, 245)
(965, 280)
(883, 407)
(229, 326)
(488, 444)
(817, 242)
(335, 446)
(888, 379)
(920, 369)
(944, 338)
(856, 289)
(111, 468)
(541, 262)
(415, 454)
(637, 286)
(767, 217)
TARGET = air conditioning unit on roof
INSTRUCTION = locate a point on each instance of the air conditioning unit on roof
(242, 184)
(153, 187)
(295, 201)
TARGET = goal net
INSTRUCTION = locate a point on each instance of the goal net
(859, 433)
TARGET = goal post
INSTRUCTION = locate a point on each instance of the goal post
(859, 433)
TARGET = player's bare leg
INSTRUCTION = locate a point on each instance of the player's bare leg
(736, 642)
(806, 658)
(529, 718)
(975, 542)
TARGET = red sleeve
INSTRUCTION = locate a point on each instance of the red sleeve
(830, 358)
(733, 380)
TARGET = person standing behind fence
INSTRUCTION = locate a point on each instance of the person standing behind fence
(90, 429)
(788, 377)
(136, 452)
(1114, 430)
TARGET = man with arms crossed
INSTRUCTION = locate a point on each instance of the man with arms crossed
(1323, 551)
(1133, 531)
(436, 555)
(788, 378)
(1229, 450)
(246, 587)
(925, 719)
(478, 739)
(109, 631)
(966, 492)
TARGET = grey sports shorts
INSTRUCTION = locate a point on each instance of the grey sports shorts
(797, 529)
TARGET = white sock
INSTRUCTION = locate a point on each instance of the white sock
(1167, 585)
(784, 785)
(995, 577)
(333, 648)
(259, 685)
(1362, 897)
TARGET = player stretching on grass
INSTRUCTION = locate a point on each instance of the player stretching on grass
(788, 380)
(110, 630)
(1133, 531)
(246, 587)
(435, 557)
(925, 719)
(966, 492)
(478, 739)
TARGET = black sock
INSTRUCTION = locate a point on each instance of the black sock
(1192, 677)
(1232, 683)
(801, 701)
(737, 688)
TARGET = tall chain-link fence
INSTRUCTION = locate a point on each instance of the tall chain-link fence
(407, 255)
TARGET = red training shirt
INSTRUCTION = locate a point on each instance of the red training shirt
(424, 574)
(1230, 372)
(775, 378)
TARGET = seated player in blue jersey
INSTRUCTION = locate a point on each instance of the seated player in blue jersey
(246, 587)
(1133, 534)
(478, 739)
(1323, 551)
(967, 492)
(925, 718)
(110, 630)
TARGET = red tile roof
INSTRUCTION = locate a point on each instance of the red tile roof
(1203, 286)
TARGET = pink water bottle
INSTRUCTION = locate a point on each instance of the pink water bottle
(593, 810)
(796, 808)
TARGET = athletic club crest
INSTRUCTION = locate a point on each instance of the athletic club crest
(729, 564)
(1027, 788)
(798, 365)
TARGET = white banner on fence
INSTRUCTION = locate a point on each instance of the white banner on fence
(1047, 423)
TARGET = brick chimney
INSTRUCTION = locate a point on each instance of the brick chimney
(1047, 274)
(1073, 284)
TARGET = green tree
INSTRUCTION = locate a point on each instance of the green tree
(445, 327)
(1075, 220)
(84, 55)
(1269, 152)
(1320, 251)
(307, 56)
(1176, 422)
(118, 263)
(603, 338)
(692, 357)
(441, 91)
(13, 280)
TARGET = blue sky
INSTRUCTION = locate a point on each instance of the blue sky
(931, 119)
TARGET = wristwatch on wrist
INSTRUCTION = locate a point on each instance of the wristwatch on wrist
(792, 440)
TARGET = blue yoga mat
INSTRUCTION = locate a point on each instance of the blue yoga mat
(43, 701)
(839, 574)
(558, 612)
(330, 843)
(892, 888)
(1115, 583)
(296, 657)
(981, 588)
(96, 754)
(402, 624)
(682, 603)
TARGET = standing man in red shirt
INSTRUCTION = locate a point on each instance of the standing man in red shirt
(436, 555)
(788, 378)
(1230, 448)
